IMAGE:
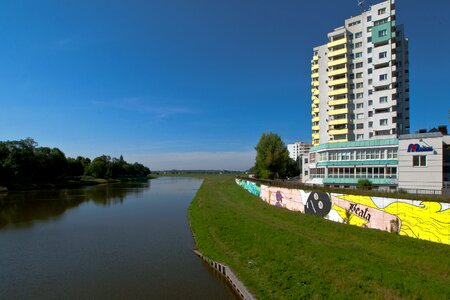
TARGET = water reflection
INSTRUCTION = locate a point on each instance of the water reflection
(21, 209)
(121, 241)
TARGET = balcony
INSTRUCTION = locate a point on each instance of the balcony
(316, 136)
(338, 102)
(337, 62)
(315, 92)
(337, 141)
(338, 131)
(315, 67)
(337, 52)
(315, 119)
(315, 57)
(315, 110)
(337, 43)
(338, 111)
(316, 127)
(338, 81)
(337, 122)
(315, 83)
(315, 75)
(338, 92)
(337, 72)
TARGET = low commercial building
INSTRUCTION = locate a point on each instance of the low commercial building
(416, 163)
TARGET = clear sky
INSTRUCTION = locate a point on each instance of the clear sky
(187, 84)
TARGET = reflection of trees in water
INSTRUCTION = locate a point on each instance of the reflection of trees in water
(22, 208)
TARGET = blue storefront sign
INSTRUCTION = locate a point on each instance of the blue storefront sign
(419, 148)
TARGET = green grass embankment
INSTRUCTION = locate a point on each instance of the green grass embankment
(280, 254)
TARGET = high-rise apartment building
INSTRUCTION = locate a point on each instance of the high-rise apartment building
(298, 149)
(360, 80)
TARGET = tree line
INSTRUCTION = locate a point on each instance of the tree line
(23, 161)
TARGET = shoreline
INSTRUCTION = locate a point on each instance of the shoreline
(68, 184)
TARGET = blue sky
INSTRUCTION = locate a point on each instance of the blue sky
(186, 83)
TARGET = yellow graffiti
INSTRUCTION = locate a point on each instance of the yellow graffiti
(425, 221)
(354, 219)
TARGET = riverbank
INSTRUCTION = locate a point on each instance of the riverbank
(71, 183)
(280, 254)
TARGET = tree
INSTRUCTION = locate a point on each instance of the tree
(293, 168)
(99, 167)
(272, 157)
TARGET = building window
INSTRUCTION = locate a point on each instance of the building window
(369, 39)
(383, 77)
(360, 136)
(360, 116)
(359, 95)
(382, 33)
(369, 18)
(358, 45)
(358, 35)
(392, 153)
(383, 99)
(359, 54)
(383, 122)
(369, 71)
(359, 126)
(369, 60)
(359, 75)
(382, 11)
(370, 102)
(369, 50)
(419, 161)
(370, 92)
(359, 85)
(370, 124)
(382, 21)
(352, 76)
(382, 54)
(369, 81)
(359, 105)
(359, 65)
(370, 113)
(369, 29)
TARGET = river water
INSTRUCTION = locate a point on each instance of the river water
(117, 241)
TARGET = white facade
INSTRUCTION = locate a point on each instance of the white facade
(298, 149)
(423, 162)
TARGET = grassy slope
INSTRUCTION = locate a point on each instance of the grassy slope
(280, 254)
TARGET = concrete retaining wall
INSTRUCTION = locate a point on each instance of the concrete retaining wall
(228, 274)
(419, 219)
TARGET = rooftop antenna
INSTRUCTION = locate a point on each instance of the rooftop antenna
(361, 4)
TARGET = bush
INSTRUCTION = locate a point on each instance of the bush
(364, 184)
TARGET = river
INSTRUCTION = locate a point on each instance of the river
(117, 241)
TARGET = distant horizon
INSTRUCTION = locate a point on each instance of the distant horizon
(186, 84)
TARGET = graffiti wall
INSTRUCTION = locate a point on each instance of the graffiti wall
(419, 219)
